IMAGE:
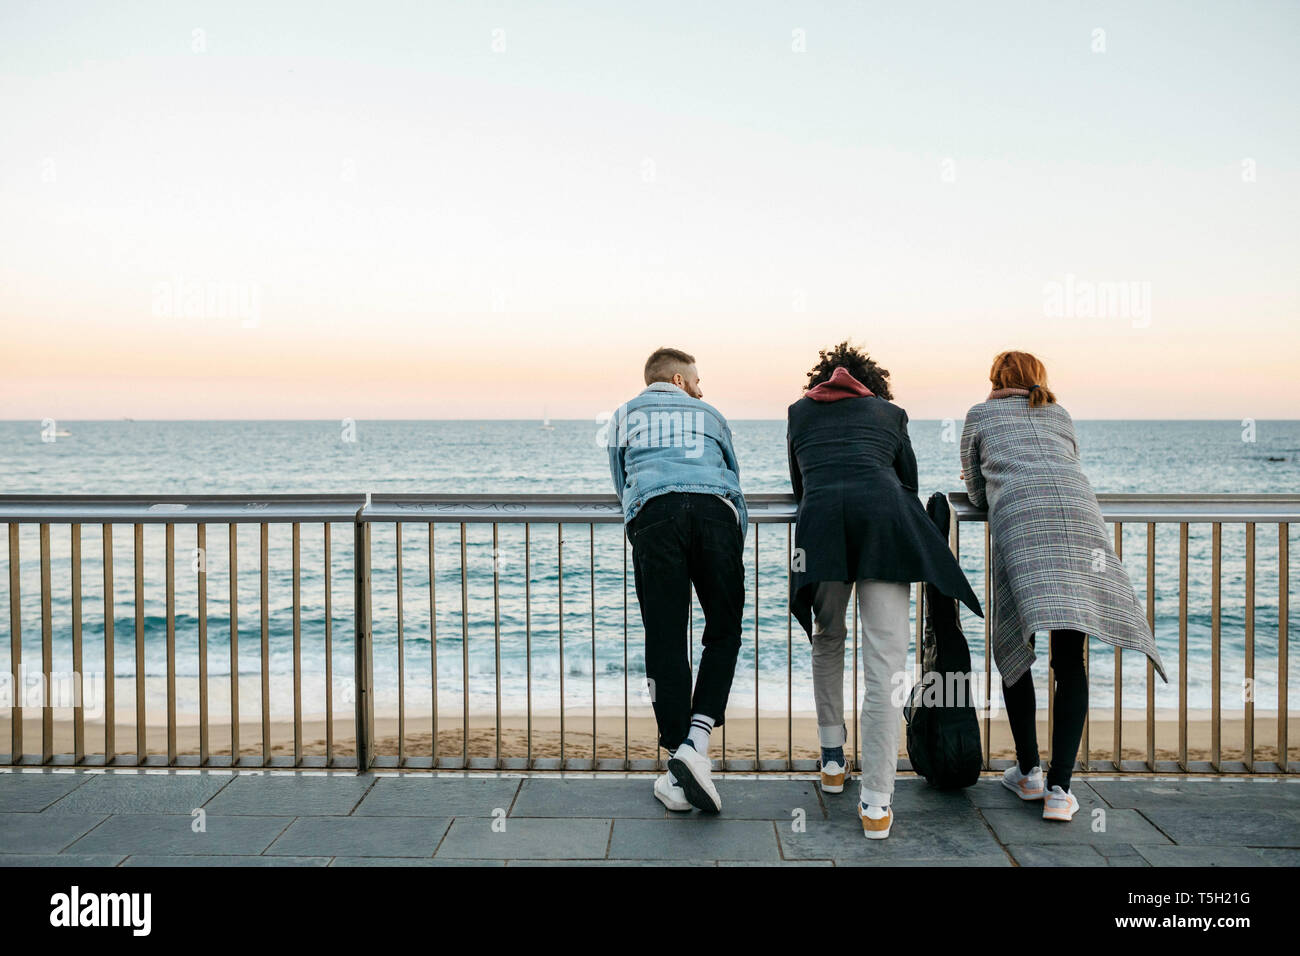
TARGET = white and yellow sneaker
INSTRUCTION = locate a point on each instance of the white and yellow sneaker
(1026, 786)
(833, 776)
(876, 821)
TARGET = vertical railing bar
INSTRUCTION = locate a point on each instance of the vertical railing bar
(110, 669)
(626, 723)
(1248, 685)
(264, 575)
(528, 642)
(988, 638)
(464, 650)
(496, 619)
(201, 610)
(758, 756)
(401, 650)
(327, 557)
(140, 727)
(297, 644)
(169, 533)
(1283, 700)
(1215, 621)
(47, 651)
(16, 648)
(591, 569)
(1118, 703)
(559, 578)
(1182, 646)
(362, 673)
(79, 685)
(789, 654)
(234, 644)
(433, 649)
(1150, 667)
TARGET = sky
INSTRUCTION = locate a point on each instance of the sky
(497, 210)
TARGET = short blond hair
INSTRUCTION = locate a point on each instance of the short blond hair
(663, 364)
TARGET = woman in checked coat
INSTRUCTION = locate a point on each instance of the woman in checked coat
(1053, 569)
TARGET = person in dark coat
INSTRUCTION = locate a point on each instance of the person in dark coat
(860, 523)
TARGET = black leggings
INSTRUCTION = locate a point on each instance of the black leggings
(1070, 710)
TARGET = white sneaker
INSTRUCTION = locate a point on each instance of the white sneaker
(834, 775)
(876, 821)
(692, 770)
(1026, 786)
(1060, 805)
(669, 794)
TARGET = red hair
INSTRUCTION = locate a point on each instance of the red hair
(1022, 370)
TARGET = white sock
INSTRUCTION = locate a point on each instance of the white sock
(698, 737)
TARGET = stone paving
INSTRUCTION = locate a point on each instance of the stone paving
(150, 818)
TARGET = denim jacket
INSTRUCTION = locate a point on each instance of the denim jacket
(662, 441)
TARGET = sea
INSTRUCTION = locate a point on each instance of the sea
(601, 655)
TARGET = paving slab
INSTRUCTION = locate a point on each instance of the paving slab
(1158, 794)
(1075, 854)
(290, 795)
(59, 859)
(526, 838)
(1217, 826)
(193, 860)
(32, 792)
(770, 799)
(979, 860)
(695, 837)
(142, 793)
(428, 796)
(1021, 825)
(561, 797)
(1168, 855)
(44, 832)
(945, 836)
(361, 836)
(409, 861)
(167, 834)
(634, 863)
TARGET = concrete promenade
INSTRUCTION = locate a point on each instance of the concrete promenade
(338, 818)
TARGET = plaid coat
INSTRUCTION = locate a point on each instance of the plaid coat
(1053, 564)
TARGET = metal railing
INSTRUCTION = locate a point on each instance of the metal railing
(449, 522)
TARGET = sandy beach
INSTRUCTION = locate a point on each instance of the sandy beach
(778, 735)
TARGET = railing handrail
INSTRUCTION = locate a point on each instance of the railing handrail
(585, 508)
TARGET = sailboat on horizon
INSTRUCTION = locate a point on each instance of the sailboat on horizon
(546, 421)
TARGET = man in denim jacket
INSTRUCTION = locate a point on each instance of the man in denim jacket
(676, 474)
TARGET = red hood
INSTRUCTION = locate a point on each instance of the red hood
(840, 385)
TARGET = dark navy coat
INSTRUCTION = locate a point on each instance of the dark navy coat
(854, 477)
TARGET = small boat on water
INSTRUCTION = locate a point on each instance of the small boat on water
(546, 422)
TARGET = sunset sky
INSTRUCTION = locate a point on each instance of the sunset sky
(444, 210)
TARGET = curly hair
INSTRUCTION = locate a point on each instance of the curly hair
(859, 364)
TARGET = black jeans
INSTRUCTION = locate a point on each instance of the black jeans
(1070, 710)
(680, 539)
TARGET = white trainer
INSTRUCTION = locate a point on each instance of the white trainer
(693, 773)
(1060, 805)
(670, 795)
(1026, 786)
